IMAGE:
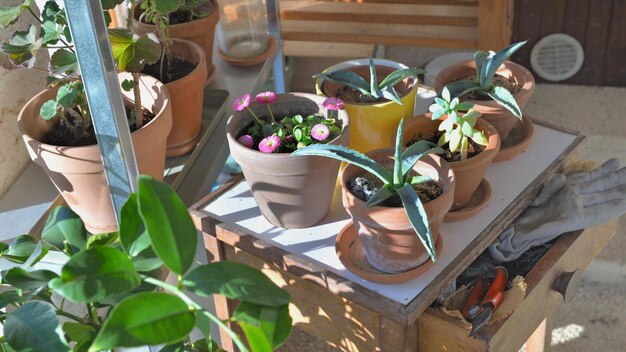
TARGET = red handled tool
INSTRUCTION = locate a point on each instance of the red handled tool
(484, 299)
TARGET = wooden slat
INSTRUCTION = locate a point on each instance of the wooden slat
(414, 2)
(315, 49)
(307, 10)
(495, 22)
(576, 13)
(615, 67)
(596, 41)
(528, 27)
(553, 22)
(377, 33)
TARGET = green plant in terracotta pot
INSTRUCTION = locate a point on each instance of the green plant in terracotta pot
(377, 94)
(397, 198)
(56, 125)
(290, 192)
(470, 144)
(182, 67)
(110, 289)
(498, 88)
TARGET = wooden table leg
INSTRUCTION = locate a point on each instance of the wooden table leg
(397, 338)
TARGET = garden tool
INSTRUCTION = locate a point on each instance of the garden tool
(566, 203)
(484, 299)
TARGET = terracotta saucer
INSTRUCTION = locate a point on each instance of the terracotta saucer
(478, 202)
(510, 148)
(186, 147)
(210, 77)
(272, 46)
(351, 255)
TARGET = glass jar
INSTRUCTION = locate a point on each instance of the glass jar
(242, 31)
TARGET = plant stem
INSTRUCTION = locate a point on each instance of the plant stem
(270, 111)
(76, 318)
(137, 93)
(255, 117)
(93, 314)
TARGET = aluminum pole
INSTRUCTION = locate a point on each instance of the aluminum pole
(273, 24)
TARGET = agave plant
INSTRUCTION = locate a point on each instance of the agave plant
(457, 128)
(398, 181)
(372, 88)
(487, 63)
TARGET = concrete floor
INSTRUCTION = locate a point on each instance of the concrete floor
(596, 319)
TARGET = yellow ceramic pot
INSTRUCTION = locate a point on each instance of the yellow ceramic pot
(373, 124)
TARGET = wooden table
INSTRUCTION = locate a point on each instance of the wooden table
(355, 315)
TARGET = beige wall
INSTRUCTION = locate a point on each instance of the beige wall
(16, 88)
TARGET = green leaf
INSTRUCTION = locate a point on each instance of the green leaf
(347, 78)
(418, 218)
(464, 106)
(464, 147)
(9, 297)
(479, 138)
(268, 130)
(95, 274)
(50, 33)
(128, 85)
(78, 332)
(416, 180)
(503, 97)
(480, 58)
(264, 326)
(445, 94)
(415, 152)
(400, 75)
(109, 4)
(397, 160)
(64, 225)
(101, 240)
(445, 138)
(471, 117)
(235, 281)
(22, 46)
(9, 15)
(391, 94)
(348, 155)
(28, 280)
(381, 195)
(171, 230)
(130, 52)
(147, 318)
(35, 327)
(455, 140)
(373, 78)
(147, 260)
(496, 61)
(67, 96)
(467, 129)
(133, 234)
(20, 250)
(460, 88)
(166, 6)
(63, 61)
(49, 109)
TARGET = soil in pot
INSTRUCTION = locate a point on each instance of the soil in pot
(365, 186)
(351, 95)
(473, 149)
(73, 132)
(498, 80)
(175, 69)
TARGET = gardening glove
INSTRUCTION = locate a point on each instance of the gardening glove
(565, 204)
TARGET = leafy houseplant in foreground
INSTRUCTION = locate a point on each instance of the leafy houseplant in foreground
(115, 279)
(290, 192)
(377, 94)
(384, 224)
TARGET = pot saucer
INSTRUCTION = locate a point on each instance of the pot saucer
(351, 255)
(523, 135)
(272, 46)
(478, 202)
(186, 147)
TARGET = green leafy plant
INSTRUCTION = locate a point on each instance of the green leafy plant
(399, 181)
(458, 127)
(487, 63)
(130, 52)
(374, 89)
(115, 280)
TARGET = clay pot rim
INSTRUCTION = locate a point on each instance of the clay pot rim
(492, 149)
(163, 91)
(445, 171)
(518, 71)
(213, 16)
(200, 65)
(319, 83)
(342, 115)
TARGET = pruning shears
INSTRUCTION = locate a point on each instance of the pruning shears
(484, 299)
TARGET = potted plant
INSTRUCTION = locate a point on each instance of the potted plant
(110, 291)
(499, 89)
(470, 143)
(182, 67)
(193, 20)
(290, 192)
(375, 108)
(397, 199)
(56, 125)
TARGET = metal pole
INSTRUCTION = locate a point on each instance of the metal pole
(89, 33)
(273, 23)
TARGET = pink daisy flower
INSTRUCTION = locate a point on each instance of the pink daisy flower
(246, 140)
(266, 98)
(320, 132)
(269, 144)
(242, 102)
(333, 104)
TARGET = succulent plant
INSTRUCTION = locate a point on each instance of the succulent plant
(487, 63)
(372, 88)
(458, 127)
(398, 181)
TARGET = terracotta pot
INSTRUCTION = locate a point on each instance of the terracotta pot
(388, 239)
(469, 173)
(497, 115)
(186, 94)
(373, 124)
(77, 172)
(200, 31)
(292, 192)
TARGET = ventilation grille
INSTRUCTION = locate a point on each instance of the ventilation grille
(557, 57)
